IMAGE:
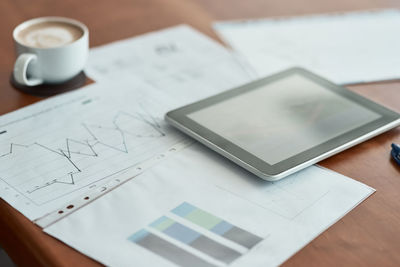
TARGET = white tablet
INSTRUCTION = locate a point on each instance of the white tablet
(283, 123)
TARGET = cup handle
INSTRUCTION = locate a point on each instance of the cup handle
(21, 67)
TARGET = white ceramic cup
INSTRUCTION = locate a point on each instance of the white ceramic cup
(52, 65)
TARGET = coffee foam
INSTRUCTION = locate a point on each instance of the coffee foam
(49, 34)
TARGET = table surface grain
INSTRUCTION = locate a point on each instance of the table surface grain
(367, 236)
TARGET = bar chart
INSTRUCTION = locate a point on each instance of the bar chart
(216, 225)
(219, 240)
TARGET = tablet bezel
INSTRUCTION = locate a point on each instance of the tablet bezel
(178, 118)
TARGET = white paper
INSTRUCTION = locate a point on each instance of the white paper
(174, 57)
(345, 48)
(284, 215)
(59, 148)
(55, 150)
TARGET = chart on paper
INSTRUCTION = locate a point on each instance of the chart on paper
(243, 221)
(66, 147)
(178, 59)
(59, 165)
(218, 240)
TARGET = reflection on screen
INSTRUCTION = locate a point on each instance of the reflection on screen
(283, 118)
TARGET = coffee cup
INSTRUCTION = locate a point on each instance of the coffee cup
(49, 50)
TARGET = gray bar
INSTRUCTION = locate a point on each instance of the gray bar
(215, 249)
(242, 237)
(171, 252)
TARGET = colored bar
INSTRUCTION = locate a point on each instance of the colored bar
(3, 132)
(196, 240)
(221, 228)
(197, 216)
(242, 237)
(162, 223)
(216, 225)
(167, 250)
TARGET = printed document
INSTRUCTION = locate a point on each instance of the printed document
(174, 57)
(344, 48)
(198, 209)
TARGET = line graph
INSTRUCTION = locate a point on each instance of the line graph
(63, 153)
(55, 181)
(69, 162)
(123, 125)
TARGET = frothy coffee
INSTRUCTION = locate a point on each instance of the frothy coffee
(49, 34)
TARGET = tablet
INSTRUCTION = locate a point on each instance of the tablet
(280, 124)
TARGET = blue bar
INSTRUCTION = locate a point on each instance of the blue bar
(183, 209)
(139, 235)
(222, 228)
(181, 233)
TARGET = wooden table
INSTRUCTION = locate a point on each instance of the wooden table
(367, 236)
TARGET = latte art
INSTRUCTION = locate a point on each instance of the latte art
(49, 37)
(49, 34)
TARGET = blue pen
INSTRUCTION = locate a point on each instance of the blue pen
(396, 153)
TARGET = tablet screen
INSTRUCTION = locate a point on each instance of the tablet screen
(283, 118)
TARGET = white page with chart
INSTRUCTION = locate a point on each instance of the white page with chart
(54, 151)
(178, 56)
(344, 48)
(59, 148)
(198, 209)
